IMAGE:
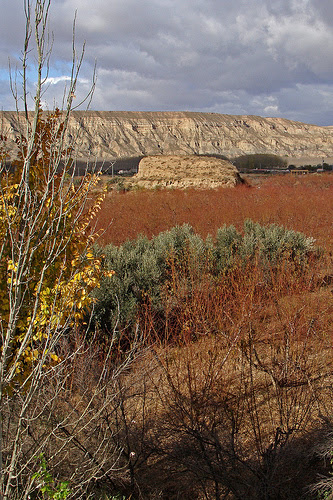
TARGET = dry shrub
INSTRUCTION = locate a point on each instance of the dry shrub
(230, 418)
(232, 398)
(303, 204)
(197, 303)
(236, 387)
(71, 422)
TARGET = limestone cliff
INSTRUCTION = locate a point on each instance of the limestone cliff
(113, 134)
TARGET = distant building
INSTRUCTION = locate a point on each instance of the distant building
(296, 171)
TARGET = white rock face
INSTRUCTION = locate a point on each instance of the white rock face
(186, 171)
(112, 134)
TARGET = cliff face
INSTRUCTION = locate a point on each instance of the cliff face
(113, 134)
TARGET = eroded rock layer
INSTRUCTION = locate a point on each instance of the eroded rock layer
(113, 134)
(186, 171)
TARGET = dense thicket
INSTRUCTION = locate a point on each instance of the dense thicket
(232, 392)
(260, 161)
(143, 268)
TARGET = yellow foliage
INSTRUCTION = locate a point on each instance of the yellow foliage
(47, 267)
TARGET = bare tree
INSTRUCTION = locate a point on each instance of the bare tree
(54, 388)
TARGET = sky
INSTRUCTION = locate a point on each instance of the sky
(271, 58)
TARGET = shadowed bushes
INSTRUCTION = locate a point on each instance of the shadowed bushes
(144, 268)
(226, 400)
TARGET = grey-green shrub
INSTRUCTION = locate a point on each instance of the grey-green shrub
(273, 243)
(227, 247)
(142, 266)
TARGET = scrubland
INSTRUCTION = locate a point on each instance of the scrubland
(191, 362)
(200, 368)
(302, 203)
(229, 391)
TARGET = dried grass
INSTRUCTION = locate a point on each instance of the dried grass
(304, 205)
(238, 380)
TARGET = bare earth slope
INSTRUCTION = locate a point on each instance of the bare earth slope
(173, 171)
(113, 134)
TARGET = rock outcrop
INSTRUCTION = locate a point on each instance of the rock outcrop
(186, 171)
(109, 135)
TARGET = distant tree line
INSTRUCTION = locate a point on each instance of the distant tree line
(260, 161)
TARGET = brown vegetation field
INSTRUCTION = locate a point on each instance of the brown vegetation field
(303, 203)
(231, 398)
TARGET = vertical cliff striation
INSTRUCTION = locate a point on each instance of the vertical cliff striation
(106, 135)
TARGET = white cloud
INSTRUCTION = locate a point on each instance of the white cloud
(54, 80)
(271, 110)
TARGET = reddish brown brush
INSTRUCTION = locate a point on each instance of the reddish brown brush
(241, 364)
(304, 204)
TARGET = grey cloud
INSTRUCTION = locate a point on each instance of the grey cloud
(325, 10)
(228, 56)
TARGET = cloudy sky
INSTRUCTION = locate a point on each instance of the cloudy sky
(263, 57)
